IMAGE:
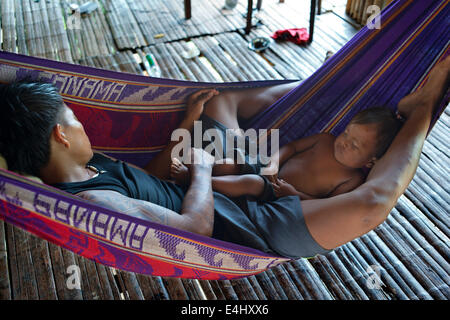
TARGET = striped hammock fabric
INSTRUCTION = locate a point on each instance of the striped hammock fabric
(131, 117)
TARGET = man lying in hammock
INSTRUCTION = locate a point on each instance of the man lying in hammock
(41, 136)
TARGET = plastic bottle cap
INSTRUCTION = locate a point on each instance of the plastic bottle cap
(150, 60)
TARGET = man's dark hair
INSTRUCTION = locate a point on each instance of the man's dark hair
(387, 123)
(29, 111)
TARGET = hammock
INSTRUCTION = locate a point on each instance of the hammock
(131, 117)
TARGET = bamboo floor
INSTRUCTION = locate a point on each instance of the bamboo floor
(406, 257)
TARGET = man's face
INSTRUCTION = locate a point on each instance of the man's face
(356, 146)
(80, 146)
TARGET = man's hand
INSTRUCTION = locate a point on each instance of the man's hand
(199, 158)
(196, 102)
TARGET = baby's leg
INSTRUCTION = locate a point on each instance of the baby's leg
(227, 168)
(236, 186)
(180, 173)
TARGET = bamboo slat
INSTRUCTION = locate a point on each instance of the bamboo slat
(94, 281)
(9, 26)
(194, 64)
(50, 49)
(131, 285)
(217, 290)
(227, 61)
(227, 289)
(175, 289)
(438, 212)
(109, 289)
(25, 270)
(42, 264)
(20, 29)
(411, 261)
(168, 70)
(257, 288)
(392, 264)
(194, 290)
(158, 288)
(61, 260)
(287, 284)
(276, 284)
(267, 286)
(420, 223)
(330, 277)
(309, 282)
(393, 283)
(123, 26)
(436, 260)
(364, 275)
(219, 66)
(88, 293)
(348, 280)
(5, 286)
(208, 290)
(17, 291)
(436, 266)
(244, 289)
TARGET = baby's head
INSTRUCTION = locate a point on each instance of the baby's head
(367, 137)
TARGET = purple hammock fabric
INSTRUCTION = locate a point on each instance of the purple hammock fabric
(130, 117)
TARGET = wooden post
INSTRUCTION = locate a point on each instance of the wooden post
(187, 9)
(312, 16)
(249, 17)
(259, 4)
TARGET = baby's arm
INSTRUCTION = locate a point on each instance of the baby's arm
(239, 185)
(282, 189)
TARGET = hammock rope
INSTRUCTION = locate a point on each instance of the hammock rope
(131, 117)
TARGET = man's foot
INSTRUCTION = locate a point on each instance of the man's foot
(196, 102)
(179, 172)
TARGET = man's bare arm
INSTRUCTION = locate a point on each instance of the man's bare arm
(136, 208)
(339, 219)
(197, 212)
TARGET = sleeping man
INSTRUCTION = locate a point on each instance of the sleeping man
(40, 135)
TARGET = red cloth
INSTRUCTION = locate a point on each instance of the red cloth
(296, 35)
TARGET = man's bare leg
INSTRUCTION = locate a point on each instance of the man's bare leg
(224, 108)
(340, 219)
(230, 106)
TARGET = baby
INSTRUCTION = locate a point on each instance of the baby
(318, 166)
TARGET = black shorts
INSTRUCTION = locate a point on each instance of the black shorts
(249, 164)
